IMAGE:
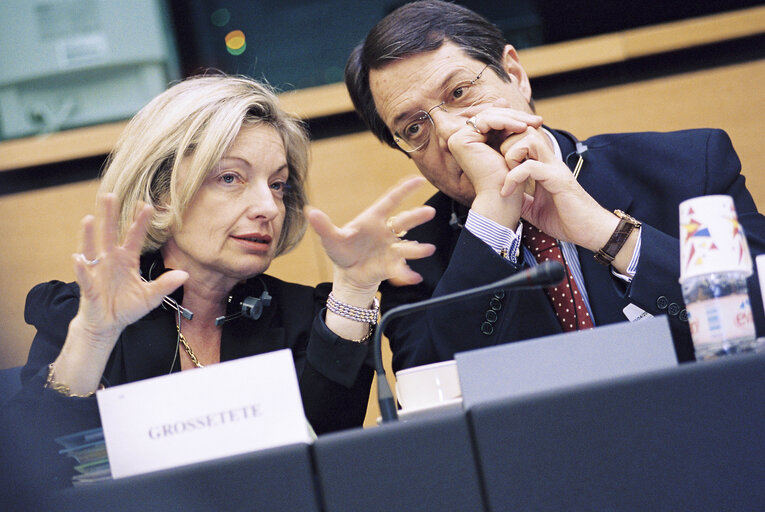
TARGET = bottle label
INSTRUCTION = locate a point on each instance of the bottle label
(720, 321)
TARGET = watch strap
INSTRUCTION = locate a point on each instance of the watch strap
(619, 237)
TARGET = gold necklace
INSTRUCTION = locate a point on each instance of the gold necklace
(185, 344)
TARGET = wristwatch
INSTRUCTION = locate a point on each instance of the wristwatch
(622, 232)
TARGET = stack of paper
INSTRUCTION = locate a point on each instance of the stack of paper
(89, 450)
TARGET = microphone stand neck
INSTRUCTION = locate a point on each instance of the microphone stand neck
(388, 408)
(545, 274)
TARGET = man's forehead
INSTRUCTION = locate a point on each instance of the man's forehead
(404, 84)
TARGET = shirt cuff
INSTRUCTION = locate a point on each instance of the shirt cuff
(632, 267)
(503, 240)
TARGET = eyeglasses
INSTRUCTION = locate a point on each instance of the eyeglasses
(414, 132)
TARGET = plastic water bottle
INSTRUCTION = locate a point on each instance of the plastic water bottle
(719, 314)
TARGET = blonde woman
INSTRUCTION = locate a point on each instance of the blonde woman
(203, 190)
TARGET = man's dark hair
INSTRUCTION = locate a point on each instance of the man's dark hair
(415, 28)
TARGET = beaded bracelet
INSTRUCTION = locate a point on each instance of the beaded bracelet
(63, 388)
(353, 312)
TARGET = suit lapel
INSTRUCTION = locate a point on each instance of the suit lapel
(596, 175)
(245, 337)
(149, 346)
(250, 340)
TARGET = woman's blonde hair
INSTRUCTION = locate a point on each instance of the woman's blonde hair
(198, 119)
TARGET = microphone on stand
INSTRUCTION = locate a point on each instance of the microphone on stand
(549, 273)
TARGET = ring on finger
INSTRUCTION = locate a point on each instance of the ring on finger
(471, 122)
(389, 225)
(88, 262)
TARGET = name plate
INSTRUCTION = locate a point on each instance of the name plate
(217, 411)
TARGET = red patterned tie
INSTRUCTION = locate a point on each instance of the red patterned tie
(565, 298)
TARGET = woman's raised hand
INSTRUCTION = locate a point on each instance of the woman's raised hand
(367, 250)
(112, 293)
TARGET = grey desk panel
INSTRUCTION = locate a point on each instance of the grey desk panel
(565, 360)
(690, 438)
(420, 465)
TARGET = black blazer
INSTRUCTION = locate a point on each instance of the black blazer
(644, 174)
(333, 375)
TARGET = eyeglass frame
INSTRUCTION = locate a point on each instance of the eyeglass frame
(397, 137)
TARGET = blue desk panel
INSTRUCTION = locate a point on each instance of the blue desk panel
(419, 465)
(277, 479)
(690, 438)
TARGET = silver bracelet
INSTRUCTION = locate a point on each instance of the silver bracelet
(353, 312)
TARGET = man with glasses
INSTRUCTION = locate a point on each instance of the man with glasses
(438, 82)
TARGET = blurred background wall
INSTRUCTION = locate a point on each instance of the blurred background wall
(71, 72)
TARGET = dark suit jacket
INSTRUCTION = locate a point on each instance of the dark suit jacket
(334, 379)
(644, 174)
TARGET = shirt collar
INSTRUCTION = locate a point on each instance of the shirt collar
(555, 145)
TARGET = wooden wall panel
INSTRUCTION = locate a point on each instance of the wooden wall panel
(38, 235)
(38, 229)
(726, 97)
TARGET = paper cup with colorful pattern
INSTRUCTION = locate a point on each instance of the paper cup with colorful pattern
(711, 238)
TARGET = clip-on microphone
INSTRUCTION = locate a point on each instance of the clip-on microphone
(454, 219)
(173, 304)
(548, 273)
(581, 149)
(251, 307)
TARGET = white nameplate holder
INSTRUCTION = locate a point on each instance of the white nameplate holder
(221, 410)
